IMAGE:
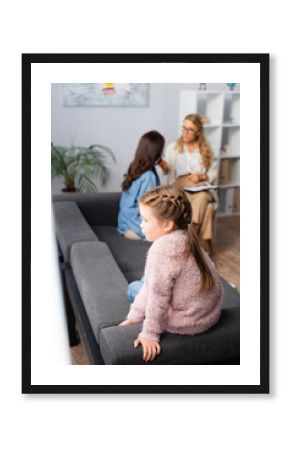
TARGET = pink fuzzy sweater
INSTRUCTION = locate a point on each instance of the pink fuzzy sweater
(169, 299)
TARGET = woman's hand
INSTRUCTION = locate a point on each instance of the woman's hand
(196, 178)
(126, 322)
(193, 178)
(164, 166)
(151, 349)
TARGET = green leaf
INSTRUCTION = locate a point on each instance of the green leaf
(79, 165)
(85, 184)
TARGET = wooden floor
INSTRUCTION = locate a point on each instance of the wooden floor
(227, 260)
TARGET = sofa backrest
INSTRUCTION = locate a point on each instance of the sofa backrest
(98, 208)
(129, 254)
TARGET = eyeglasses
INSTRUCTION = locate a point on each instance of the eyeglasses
(187, 130)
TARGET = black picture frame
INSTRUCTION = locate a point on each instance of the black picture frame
(263, 61)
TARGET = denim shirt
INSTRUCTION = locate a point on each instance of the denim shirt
(129, 215)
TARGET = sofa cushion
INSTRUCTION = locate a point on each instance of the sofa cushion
(101, 284)
(129, 254)
(220, 343)
(71, 226)
(231, 295)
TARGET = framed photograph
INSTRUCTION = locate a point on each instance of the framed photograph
(77, 261)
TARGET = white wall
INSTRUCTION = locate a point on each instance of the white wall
(117, 127)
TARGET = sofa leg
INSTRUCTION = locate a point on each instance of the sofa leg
(73, 335)
(71, 323)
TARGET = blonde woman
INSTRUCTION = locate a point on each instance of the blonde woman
(189, 162)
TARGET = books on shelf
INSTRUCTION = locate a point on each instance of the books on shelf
(236, 200)
(229, 201)
(224, 172)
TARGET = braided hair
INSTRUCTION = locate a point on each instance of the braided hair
(169, 202)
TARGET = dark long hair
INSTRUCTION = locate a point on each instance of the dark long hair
(148, 153)
(169, 202)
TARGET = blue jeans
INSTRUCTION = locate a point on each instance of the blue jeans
(133, 289)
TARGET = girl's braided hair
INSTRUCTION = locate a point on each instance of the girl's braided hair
(169, 202)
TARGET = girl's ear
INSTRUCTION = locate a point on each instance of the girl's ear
(169, 225)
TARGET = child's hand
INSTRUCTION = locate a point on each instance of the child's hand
(151, 349)
(127, 322)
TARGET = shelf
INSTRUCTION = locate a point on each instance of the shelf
(223, 214)
(229, 203)
(228, 124)
(228, 186)
(212, 125)
(222, 109)
(228, 156)
(224, 91)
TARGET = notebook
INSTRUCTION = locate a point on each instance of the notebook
(200, 188)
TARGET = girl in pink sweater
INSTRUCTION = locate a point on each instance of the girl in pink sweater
(181, 291)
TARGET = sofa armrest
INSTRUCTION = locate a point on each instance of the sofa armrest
(70, 227)
(98, 208)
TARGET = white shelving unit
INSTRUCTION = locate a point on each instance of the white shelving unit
(222, 130)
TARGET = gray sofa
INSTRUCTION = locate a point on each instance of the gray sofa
(97, 263)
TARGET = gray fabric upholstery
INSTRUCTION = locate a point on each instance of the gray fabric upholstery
(101, 284)
(71, 226)
(231, 296)
(129, 254)
(220, 343)
(98, 208)
(102, 271)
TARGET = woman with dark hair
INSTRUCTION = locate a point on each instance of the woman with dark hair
(141, 177)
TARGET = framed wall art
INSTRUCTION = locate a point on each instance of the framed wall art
(105, 94)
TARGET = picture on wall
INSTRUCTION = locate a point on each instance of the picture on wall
(106, 94)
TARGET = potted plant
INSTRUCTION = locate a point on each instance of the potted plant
(80, 165)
